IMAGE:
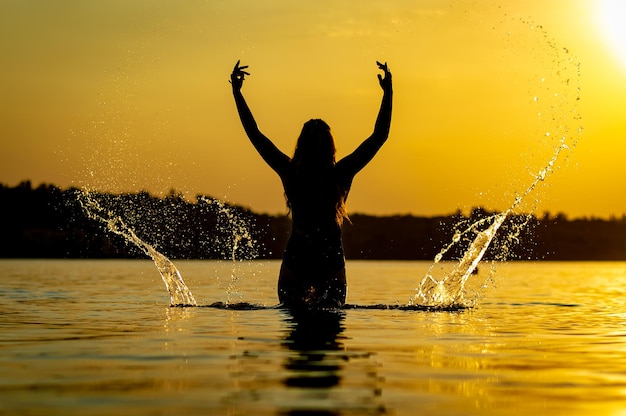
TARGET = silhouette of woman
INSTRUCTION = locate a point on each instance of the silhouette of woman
(312, 273)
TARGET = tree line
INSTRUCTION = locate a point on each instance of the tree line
(49, 222)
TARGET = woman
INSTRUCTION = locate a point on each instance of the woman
(316, 188)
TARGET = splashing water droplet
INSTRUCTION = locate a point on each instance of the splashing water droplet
(449, 290)
(542, 174)
(235, 239)
(180, 295)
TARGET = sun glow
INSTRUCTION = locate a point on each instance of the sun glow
(611, 16)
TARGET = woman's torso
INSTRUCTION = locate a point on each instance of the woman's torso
(315, 198)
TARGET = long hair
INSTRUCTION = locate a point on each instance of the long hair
(315, 152)
(315, 148)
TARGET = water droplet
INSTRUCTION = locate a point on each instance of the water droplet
(542, 175)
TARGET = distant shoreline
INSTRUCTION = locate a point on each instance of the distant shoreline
(48, 222)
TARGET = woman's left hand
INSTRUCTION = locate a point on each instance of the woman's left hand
(238, 75)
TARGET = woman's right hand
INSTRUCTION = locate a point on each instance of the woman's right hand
(385, 82)
(237, 76)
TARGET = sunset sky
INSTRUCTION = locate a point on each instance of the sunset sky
(122, 95)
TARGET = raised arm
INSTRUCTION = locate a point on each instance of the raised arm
(357, 160)
(276, 159)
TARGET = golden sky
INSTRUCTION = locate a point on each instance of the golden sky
(124, 95)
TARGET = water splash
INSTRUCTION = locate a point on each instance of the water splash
(180, 295)
(559, 120)
(235, 240)
(449, 290)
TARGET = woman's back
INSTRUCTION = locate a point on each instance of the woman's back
(315, 198)
(316, 188)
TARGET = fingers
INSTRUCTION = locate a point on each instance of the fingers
(385, 82)
(238, 75)
(239, 70)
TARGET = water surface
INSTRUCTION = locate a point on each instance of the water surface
(99, 337)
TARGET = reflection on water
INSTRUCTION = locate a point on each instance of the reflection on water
(313, 372)
(314, 336)
(325, 377)
(316, 363)
(550, 339)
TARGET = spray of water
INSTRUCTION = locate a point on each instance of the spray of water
(433, 291)
(562, 97)
(449, 290)
(235, 240)
(180, 295)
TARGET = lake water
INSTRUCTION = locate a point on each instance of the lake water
(99, 337)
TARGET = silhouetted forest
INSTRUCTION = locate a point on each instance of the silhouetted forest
(49, 222)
